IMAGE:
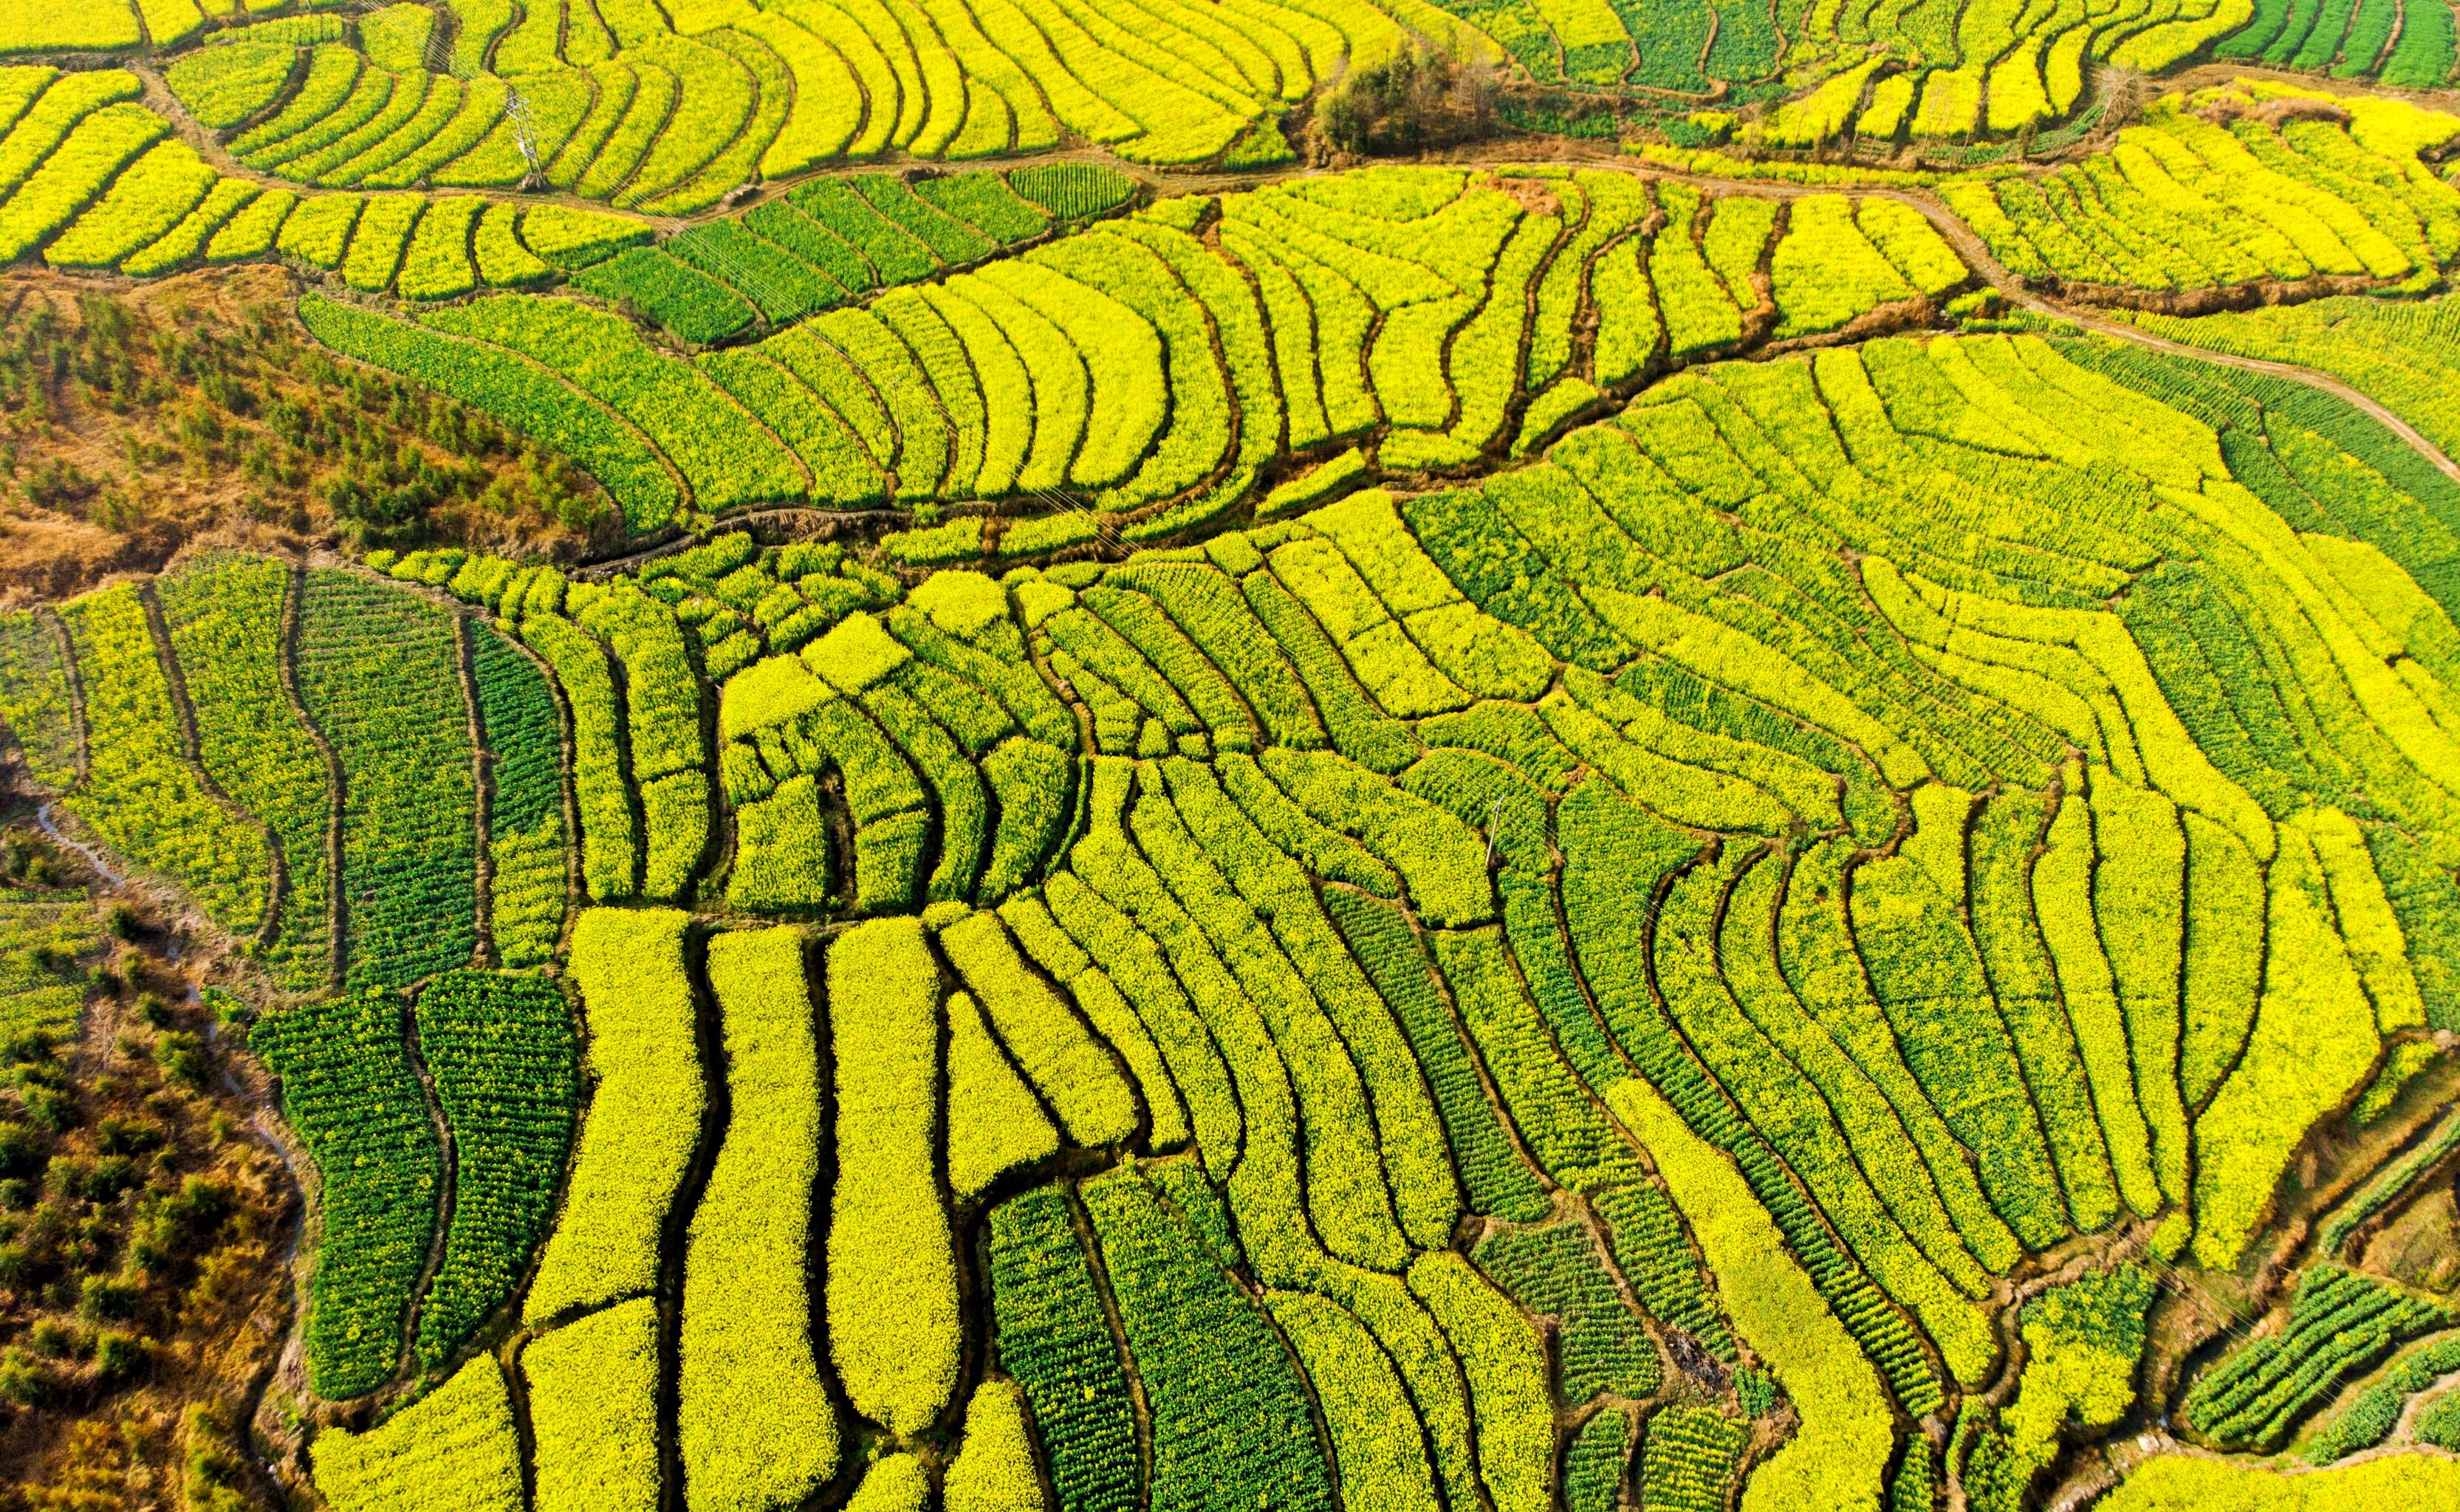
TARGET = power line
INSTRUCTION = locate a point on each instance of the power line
(1102, 532)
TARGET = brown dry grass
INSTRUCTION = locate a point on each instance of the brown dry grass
(204, 1315)
(136, 418)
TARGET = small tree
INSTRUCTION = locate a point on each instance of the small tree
(2123, 90)
(1415, 98)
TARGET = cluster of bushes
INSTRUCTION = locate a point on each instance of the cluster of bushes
(213, 412)
(1414, 99)
(139, 1226)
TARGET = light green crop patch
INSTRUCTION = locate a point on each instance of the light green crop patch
(1037, 599)
(767, 694)
(855, 655)
(960, 603)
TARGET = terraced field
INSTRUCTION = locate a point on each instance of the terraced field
(1767, 822)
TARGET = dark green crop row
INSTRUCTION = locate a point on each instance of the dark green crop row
(350, 1092)
(505, 1065)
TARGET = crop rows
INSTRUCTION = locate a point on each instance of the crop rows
(1228, 1411)
(1738, 881)
(2114, 901)
(350, 1092)
(1313, 852)
(894, 1329)
(994, 1466)
(2083, 1339)
(622, 657)
(1145, 369)
(1558, 1271)
(224, 615)
(670, 115)
(379, 676)
(2231, 185)
(2361, 40)
(2222, 820)
(380, 685)
(2388, 1187)
(2341, 1324)
(757, 1427)
(1598, 1462)
(38, 699)
(1055, 1341)
(2368, 1416)
(500, 1053)
(995, 1124)
(93, 183)
(455, 1448)
(593, 1387)
(1688, 1458)
(46, 943)
(526, 843)
(670, 118)
(859, 702)
(642, 1071)
(834, 240)
(1224, 1407)
(139, 791)
(2399, 354)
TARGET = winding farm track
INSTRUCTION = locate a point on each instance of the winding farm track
(1970, 247)
(2102, 325)
(1498, 154)
(1977, 255)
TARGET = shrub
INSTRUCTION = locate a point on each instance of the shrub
(1414, 98)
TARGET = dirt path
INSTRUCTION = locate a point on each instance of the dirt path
(1976, 256)
(2313, 378)
(1968, 244)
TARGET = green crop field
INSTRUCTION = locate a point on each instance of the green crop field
(1435, 755)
